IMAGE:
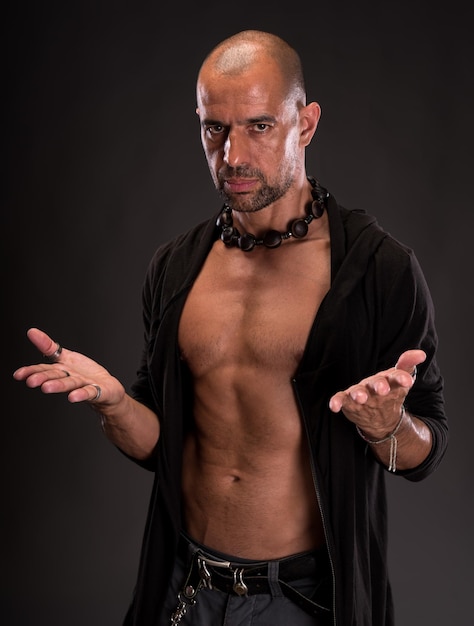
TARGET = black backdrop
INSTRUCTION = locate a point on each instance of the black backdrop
(104, 163)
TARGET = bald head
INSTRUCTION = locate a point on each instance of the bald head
(245, 50)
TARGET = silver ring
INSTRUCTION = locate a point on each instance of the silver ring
(98, 394)
(52, 358)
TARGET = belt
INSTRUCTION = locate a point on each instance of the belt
(250, 578)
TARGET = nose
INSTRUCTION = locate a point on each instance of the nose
(235, 150)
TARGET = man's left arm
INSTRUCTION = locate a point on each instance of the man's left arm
(375, 405)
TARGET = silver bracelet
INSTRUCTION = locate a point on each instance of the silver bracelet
(392, 464)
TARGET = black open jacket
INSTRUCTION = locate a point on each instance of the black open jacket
(377, 307)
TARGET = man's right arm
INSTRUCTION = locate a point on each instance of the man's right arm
(129, 424)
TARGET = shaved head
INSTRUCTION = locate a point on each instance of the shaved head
(244, 50)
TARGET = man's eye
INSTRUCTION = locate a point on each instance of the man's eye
(215, 130)
(261, 127)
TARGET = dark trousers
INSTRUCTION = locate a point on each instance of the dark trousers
(268, 597)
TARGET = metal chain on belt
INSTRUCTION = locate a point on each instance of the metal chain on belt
(187, 596)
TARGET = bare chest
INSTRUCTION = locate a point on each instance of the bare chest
(254, 309)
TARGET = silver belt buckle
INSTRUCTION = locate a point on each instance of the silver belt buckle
(239, 587)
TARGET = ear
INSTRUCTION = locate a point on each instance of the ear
(309, 118)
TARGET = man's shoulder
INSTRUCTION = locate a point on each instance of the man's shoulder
(358, 223)
(177, 259)
(187, 242)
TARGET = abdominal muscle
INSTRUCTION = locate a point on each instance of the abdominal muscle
(247, 484)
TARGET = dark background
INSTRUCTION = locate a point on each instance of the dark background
(104, 163)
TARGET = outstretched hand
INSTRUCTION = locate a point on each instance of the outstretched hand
(71, 372)
(374, 404)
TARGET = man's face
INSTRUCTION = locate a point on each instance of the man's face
(250, 135)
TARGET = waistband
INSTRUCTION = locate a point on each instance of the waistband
(293, 567)
(244, 577)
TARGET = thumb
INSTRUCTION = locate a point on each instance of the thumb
(410, 359)
(41, 341)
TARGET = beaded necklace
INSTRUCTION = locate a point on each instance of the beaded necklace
(297, 228)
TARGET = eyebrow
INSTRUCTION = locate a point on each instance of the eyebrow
(251, 120)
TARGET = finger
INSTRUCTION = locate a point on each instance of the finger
(57, 381)
(335, 402)
(358, 394)
(342, 399)
(401, 378)
(44, 343)
(54, 374)
(22, 373)
(378, 385)
(410, 359)
(36, 375)
(88, 393)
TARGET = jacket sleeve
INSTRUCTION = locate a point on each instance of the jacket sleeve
(408, 322)
(141, 388)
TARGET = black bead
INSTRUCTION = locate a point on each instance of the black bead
(317, 209)
(299, 228)
(247, 242)
(272, 239)
(227, 235)
(226, 218)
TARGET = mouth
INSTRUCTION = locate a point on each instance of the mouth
(240, 185)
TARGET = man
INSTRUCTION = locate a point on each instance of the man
(289, 361)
